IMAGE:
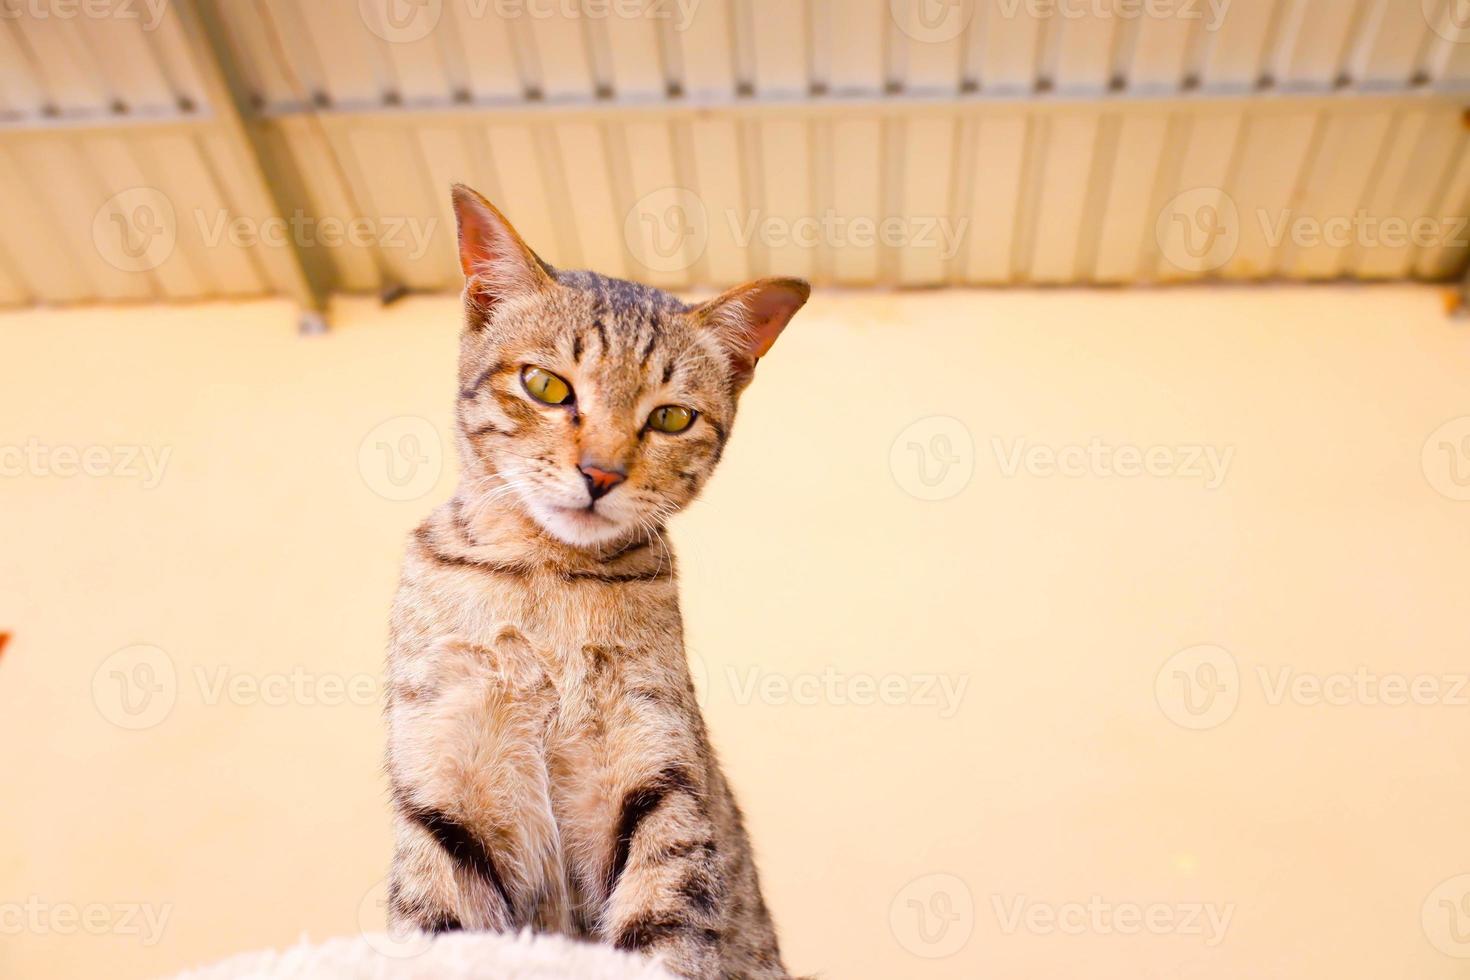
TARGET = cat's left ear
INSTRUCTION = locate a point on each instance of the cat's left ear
(747, 320)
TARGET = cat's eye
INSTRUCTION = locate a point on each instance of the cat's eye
(671, 418)
(545, 386)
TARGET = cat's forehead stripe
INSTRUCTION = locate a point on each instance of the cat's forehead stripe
(630, 321)
(648, 347)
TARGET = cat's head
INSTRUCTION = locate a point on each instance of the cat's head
(596, 405)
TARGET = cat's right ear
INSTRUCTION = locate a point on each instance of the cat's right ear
(497, 263)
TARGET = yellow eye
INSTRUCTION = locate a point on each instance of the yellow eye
(545, 386)
(671, 418)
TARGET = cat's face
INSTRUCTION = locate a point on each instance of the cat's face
(598, 406)
(602, 417)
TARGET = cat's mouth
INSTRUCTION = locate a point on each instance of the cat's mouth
(588, 513)
(559, 513)
(580, 525)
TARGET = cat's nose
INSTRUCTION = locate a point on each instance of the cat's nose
(599, 480)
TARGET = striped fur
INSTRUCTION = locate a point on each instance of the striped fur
(549, 763)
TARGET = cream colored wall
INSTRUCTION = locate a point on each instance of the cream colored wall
(1049, 603)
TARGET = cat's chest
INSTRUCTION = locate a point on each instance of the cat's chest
(608, 654)
(603, 690)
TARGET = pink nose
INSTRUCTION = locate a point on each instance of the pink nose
(600, 481)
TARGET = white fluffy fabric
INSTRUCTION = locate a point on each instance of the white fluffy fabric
(451, 956)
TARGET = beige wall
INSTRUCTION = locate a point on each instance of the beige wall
(1049, 603)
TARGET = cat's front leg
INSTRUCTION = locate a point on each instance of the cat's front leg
(667, 879)
(476, 842)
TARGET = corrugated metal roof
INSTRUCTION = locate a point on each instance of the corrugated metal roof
(699, 142)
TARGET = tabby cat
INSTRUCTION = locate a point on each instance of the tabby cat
(549, 764)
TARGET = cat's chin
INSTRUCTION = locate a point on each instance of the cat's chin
(577, 526)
